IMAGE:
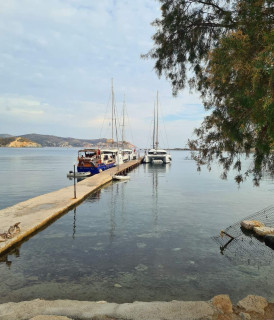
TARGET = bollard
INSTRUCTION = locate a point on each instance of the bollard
(74, 181)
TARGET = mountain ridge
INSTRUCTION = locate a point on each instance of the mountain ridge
(41, 140)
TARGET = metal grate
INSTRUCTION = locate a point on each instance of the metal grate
(241, 246)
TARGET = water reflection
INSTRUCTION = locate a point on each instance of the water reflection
(7, 258)
(74, 224)
(94, 197)
(155, 170)
(145, 239)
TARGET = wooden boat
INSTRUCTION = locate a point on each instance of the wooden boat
(120, 177)
(78, 174)
(93, 161)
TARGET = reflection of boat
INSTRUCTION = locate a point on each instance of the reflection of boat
(155, 154)
(93, 161)
(120, 177)
(78, 174)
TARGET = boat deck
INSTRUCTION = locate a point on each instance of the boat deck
(35, 213)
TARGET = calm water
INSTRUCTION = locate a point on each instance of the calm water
(145, 239)
(30, 172)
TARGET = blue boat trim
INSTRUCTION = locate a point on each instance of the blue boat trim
(93, 161)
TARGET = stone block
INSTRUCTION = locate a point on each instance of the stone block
(250, 224)
(222, 302)
(253, 303)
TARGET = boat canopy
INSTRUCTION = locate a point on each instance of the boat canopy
(109, 151)
(88, 152)
(127, 150)
(157, 151)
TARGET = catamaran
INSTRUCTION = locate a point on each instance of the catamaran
(155, 154)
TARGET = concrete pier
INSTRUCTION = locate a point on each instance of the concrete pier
(37, 212)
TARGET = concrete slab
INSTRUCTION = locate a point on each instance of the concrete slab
(179, 310)
(157, 310)
(37, 212)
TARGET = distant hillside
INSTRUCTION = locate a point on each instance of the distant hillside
(5, 135)
(41, 140)
(53, 141)
(18, 142)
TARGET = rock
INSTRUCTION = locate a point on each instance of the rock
(222, 302)
(141, 267)
(245, 316)
(262, 231)
(250, 224)
(253, 304)
(141, 245)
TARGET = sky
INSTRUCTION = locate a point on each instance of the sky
(57, 61)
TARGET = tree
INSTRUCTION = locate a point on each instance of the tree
(228, 45)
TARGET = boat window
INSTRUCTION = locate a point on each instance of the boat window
(90, 154)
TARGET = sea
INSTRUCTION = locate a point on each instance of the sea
(147, 239)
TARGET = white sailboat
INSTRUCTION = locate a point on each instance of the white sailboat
(155, 154)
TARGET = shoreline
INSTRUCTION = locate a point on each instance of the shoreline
(218, 308)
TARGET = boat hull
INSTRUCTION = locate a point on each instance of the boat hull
(119, 177)
(96, 169)
(157, 158)
(78, 174)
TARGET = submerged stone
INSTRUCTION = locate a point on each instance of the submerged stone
(141, 245)
(141, 267)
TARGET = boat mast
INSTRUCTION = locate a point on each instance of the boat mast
(123, 125)
(112, 119)
(153, 142)
(157, 115)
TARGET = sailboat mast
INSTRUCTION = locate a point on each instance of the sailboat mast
(157, 116)
(153, 142)
(123, 130)
(112, 118)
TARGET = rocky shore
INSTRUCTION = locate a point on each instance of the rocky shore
(219, 308)
(18, 142)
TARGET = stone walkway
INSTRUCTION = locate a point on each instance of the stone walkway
(219, 308)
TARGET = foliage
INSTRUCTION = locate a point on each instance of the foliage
(229, 47)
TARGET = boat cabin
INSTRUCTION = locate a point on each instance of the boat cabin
(87, 157)
(157, 151)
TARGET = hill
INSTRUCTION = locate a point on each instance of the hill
(5, 135)
(54, 141)
(18, 142)
(40, 140)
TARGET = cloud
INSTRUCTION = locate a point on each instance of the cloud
(57, 60)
